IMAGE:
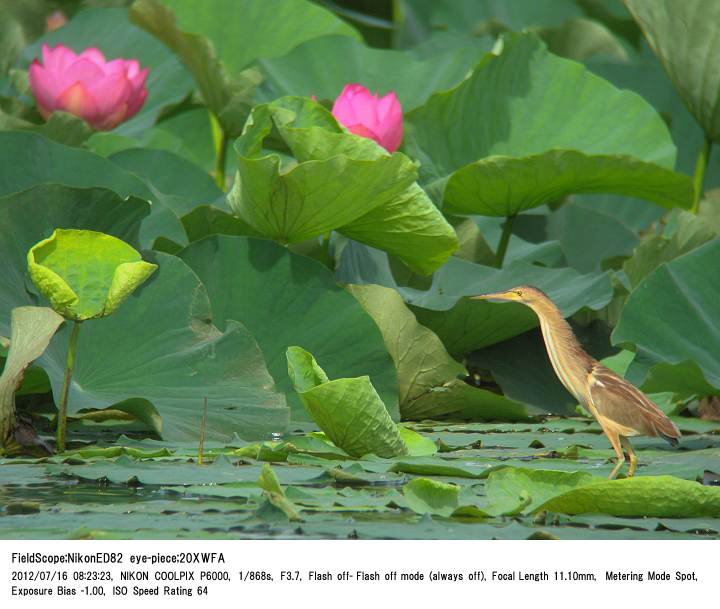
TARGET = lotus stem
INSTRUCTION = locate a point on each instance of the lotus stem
(504, 240)
(69, 365)
(220, 140)
(203, 427)
(700, 168)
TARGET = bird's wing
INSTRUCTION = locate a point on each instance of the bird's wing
(623, 404)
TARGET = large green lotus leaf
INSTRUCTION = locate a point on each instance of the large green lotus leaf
(645, 76)
(589, 229)
(690, 232)
(36, 213)
(445, 307)
(501, 185)
(323, 66)
(418, 19)
(242, 31)
(339, 177)
(284, 299)
(27, 159)
(427, 375)
(684, 37)
(226, 95)
(183, 184)
(187, 358)
(32, 329)
(341, 181)
(86, 274)
(538, 385)
(555, 129)
(581, 38)
(206, 220)
(464, 324)
(685, 294)
(348, 410)
(217, 44)
(410, 227)
(111, 31)
(589, 234)
(161, 346)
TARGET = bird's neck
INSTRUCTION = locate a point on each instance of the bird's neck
(568, 358)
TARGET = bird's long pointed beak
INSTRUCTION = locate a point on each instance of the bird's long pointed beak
(496, 297)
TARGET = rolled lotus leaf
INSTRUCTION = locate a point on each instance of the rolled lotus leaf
(349, 411)
(85, 274)
(32, 330)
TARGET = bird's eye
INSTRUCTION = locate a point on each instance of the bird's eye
(518, 292)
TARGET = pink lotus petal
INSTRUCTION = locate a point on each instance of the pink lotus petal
(104, 93)
(132, 68)
(116, 66)
(78, 101)
(44, 87)
(136, 103)
(111, 121)
(110, 93)
(95, 55)
(138, 81)
(365, 114)
(84, 71)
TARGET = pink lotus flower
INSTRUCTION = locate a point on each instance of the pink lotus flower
(365, 114)
(103, 93)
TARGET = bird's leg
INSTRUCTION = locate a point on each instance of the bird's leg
(615, 441)
(631, 453)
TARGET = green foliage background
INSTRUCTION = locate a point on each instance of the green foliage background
(566, 144)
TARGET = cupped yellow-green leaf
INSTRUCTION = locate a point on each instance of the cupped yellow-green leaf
(339, 177)
(333, 180)
(349, 411)
(85, 274)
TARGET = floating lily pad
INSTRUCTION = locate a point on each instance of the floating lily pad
(426, 496)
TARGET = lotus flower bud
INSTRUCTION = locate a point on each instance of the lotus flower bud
(365, 114)
(103, 93)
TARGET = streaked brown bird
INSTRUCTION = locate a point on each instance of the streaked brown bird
(620, 408)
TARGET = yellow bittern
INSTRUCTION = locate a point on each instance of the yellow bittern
(621, 409)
